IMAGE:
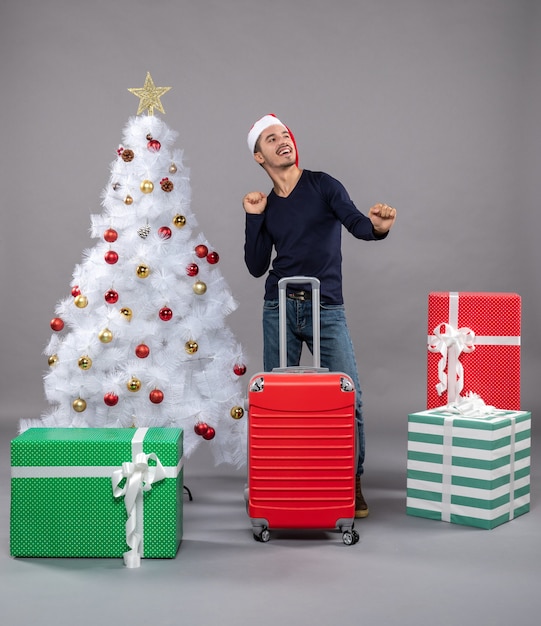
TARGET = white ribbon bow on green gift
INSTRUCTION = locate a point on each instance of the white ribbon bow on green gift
(140, 476)
(472, 405)
(450, 342)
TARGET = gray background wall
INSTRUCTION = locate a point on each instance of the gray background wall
(429, 105)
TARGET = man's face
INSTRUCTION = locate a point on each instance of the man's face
(276, 147)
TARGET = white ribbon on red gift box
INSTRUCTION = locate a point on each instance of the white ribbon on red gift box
(450, 342)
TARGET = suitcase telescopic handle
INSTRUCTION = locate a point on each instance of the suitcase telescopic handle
(282, 286)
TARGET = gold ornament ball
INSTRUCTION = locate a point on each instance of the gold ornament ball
(179, 221)
(126, 312)
(237, 412)
(172, 168)
(134, 384)
(105, 335)
(191, 347)
(81, 301)
(147, 186)
(79, 405)
(128, 200)
(53, 359)
(143, 270)
(85, 362)
(199, 287)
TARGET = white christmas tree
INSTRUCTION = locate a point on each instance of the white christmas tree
(142, 341)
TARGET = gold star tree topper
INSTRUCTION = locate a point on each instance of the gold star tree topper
(149, 96)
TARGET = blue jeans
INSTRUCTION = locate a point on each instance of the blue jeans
(337, 352)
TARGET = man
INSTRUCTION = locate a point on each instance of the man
(301, 220)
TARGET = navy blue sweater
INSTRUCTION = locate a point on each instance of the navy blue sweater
(305, 230)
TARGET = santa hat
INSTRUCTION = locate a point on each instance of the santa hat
(261, 125)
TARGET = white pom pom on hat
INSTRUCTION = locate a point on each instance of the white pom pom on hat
(261, 125)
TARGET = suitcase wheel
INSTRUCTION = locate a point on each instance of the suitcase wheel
(263, 536)
(350, 537)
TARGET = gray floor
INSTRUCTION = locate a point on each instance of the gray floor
(404, 570)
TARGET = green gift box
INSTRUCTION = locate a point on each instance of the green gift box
(473, 471)
(94, 492)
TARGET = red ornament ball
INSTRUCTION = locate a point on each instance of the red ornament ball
(154, 145)
(164, 232)
(110, 399)
(110, 235)
(156, 396)
(75, 291)
(201, 251)
(192, 269)
(142, 351)
(239, 369)
(213, 258)
(165, 314)
(200, 428)
(111, 257)
(57, 324)
(209, 434)
(111, 296)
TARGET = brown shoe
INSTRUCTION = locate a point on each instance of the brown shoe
(361, 508)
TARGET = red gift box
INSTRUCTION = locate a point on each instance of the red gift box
(474, 346)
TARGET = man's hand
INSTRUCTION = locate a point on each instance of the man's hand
(382, 217)
(254, 202)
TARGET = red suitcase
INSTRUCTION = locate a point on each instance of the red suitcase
(301, 442)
